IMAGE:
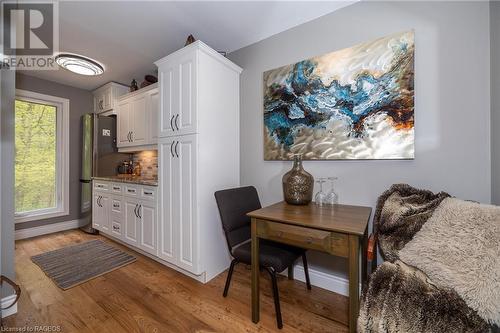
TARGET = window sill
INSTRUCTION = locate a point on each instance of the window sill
(39, 216)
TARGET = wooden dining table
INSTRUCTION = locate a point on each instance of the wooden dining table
(339, 230)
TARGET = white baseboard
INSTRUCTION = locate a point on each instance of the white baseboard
(49, 228)
(5, 302)
(323, 280)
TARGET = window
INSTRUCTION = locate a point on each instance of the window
(41, 157)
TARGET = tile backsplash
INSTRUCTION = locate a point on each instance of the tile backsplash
(149, 162)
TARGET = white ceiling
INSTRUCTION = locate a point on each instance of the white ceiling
(127, 37)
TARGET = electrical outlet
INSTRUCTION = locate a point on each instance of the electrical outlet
(106, 132)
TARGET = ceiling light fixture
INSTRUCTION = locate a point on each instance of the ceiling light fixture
(79, 64)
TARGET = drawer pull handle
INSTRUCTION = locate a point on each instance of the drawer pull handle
(131, 190)
(116, 188)
(116, 205)
(148, 193)
(116, 227)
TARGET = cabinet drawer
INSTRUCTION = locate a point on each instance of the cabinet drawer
(132, 190)
(116, 206)
(148, 193)
(101, 186)
(116, 229)
(116, 188)
(313, 239)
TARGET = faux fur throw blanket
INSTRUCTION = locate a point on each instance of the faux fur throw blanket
(459, 248)
(401, 211)
(401, 298)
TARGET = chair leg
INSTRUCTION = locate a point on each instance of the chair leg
(306, 271)
(277, 307)
(229, 276)
(290, 272)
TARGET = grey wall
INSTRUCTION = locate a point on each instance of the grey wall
(452, 105)
(495, 101)
(80, 102)
(7, 94)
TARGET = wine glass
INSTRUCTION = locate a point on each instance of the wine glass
(320, 196)
(332, 198)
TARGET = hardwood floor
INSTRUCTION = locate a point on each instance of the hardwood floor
(146, 296)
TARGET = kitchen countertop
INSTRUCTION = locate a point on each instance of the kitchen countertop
(130, 179)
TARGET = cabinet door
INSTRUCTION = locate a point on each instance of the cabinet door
(153, 111)
(105, 212)
(139, 120)
(96, 212)
(98, 102)
(100, 211)
(148, 238)
(167, 236)
(106, 97)
(131, 234)
(169, 101)
(123, 124)
(185, 119)
(185, 151)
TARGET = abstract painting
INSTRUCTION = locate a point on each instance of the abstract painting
(356, 103)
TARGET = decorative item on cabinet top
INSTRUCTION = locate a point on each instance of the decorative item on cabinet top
(355, 103)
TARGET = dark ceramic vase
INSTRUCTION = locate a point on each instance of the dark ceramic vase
(298, 184)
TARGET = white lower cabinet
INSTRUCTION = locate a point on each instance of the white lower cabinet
(100, 212)
(179, 243)
(148, 224)
(130, 217)
(131, 235)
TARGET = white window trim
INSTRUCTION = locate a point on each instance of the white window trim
(62, 142)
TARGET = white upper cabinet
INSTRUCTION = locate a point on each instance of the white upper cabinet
(154, 109)
(178, 81)
(105, 97)
(137, 115)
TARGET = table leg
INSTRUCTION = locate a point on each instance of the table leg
(255, 273)
(364, 258)
(353, 282)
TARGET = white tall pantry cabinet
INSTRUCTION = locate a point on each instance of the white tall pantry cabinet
(198, 154)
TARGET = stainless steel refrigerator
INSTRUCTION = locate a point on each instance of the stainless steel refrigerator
(100, 158)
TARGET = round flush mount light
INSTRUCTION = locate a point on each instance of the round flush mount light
(79, 64)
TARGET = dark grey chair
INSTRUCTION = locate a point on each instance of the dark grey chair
(234, 204)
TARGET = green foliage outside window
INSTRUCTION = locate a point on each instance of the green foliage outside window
(35, 159)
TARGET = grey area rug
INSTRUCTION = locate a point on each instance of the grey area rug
(76, 264)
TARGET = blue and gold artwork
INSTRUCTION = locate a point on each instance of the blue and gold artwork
(356, 103)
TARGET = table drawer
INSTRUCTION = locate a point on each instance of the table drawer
(313, 239)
